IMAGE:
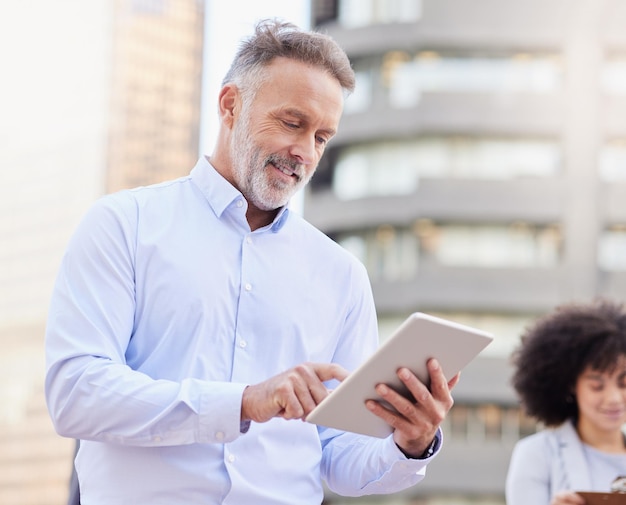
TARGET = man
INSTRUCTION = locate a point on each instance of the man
(194, 323)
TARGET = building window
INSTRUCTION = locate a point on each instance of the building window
(612, 249)
(613, 76)
(519, 245)
(363, 170)
(476, 424)
(361, 99)
(394, 253)
(408, 77)
(457, 422)
(324, 11)
(158, 7)
(387, 252)
(612, 162)
(355, 13)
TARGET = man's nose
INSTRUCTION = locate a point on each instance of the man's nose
(304, 149)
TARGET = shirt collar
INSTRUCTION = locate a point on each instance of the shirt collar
(221, 194)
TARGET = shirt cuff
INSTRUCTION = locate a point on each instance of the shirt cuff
(224, 398)
(244, 426)
(431, 450)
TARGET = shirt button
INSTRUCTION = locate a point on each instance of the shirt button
(249, 240)
(243, 344)
(239, 203)
(231, 458)
(219, 435)
(248, 287)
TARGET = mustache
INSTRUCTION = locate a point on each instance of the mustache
(278, 160)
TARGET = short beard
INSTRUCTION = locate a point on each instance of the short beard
(250, 170)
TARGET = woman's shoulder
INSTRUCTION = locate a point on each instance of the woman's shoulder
(538, 438)
(545, 438)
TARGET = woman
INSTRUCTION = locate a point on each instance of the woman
(570, 374)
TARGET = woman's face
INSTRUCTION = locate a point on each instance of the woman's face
(601, 397)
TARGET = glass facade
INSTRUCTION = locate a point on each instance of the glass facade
(394, 253)
(487, 422)
(613, 76)
(612, 249)
(156, 90)
(355, 13)
(406, 76)
(396, 166)
(612, 161)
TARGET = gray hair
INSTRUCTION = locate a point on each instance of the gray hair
(273, 39)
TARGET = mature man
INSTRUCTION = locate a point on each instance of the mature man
(194, 322)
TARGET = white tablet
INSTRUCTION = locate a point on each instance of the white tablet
(419, 338)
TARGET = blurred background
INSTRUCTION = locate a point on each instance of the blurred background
(479, 173)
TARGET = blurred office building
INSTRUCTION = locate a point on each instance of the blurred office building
(480, 174)
(155, 91)
(97, 96)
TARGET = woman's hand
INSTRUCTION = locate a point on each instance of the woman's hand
(567, 498)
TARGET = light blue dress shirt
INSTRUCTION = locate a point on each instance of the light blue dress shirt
(165, 307)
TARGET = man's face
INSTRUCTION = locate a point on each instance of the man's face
(278, 140)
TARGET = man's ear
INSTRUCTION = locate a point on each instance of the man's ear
(228, 104)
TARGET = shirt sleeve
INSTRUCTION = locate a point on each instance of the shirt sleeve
(356, 465)
(92, 394)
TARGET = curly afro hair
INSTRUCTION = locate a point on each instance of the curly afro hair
(558, 347)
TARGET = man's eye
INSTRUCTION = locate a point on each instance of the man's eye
(290, 125)
(321, 140)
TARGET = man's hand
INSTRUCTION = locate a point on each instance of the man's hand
(416, 421)
(291, 394)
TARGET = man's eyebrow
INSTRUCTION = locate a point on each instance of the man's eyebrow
(296, 113)
(304, 117)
